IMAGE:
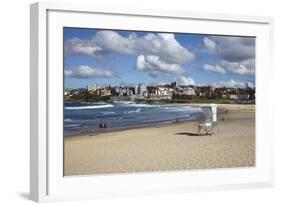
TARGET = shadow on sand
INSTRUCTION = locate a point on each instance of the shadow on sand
(188, 133)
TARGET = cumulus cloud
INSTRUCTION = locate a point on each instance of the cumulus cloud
(185, 80)
(157, 53)
(209, 44)
(234, 49)
(214, 68)
(84, 71)
(85, 47)
(155, 66)
(235, 84)
(237, 54)
(163, 45)
(246, 67)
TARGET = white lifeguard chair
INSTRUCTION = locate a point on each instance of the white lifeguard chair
(209, 122)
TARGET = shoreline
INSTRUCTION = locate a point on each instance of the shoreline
(222, 109)
(113, 130)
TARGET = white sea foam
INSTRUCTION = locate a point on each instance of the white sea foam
(173, 108)
(141, 105)
(73, 125)
(88, 107)
(193, 108)
(109, 113)
(134, 111)
(68, 120)
(182, 108)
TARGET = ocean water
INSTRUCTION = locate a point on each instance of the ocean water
(84, 118)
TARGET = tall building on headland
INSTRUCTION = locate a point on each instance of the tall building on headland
(141, 89)
(136, 89)
(175, 84)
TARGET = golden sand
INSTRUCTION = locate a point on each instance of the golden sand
(163, 148)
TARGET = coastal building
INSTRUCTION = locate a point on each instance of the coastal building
(160, 92)
(136, 88)
(188, 91)
(206, 91)
(122, 92)
(92, 88)
(141, 89)
(103, 92)
(177, 90)
(233, 96)
(212, 88)
(230, 96)
(145, 94)
(224, 96)
(116, 90)
(174, 84)
(129, 92)
(243, 97)
(75, 93)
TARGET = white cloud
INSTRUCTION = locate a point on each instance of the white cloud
(234, 49)
(215, 68)
(84, 71)
(158, 54)
(237, 54)
(246, 67)
(234, 84)
(114, 42)
(104, 42)
(85, 47)
(155, 66)
(209, 44)
(185, 80)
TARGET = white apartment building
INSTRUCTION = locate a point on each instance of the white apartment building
(141, 89)
(92, 88)
(188, 91)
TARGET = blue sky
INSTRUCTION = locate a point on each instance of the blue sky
(94, 56)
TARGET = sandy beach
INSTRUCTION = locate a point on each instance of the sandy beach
(167, 147)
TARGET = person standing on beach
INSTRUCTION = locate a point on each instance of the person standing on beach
(101, 125)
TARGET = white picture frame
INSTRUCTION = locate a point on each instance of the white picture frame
(46, 178)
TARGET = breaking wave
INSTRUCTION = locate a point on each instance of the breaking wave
(89, 107)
